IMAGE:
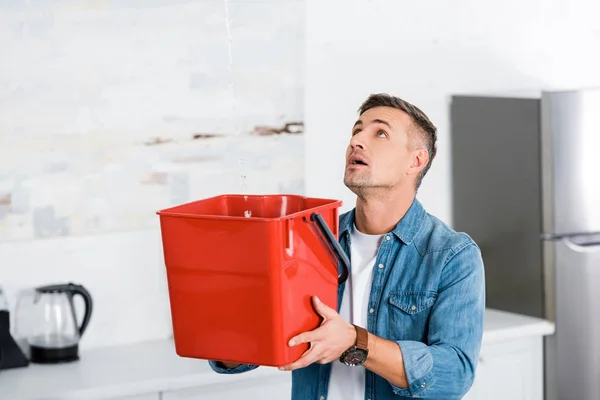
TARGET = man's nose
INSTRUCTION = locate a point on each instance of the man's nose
(357, 141)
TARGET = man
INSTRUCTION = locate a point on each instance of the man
(411, 313)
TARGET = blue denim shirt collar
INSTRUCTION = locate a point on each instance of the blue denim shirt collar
(406, 229)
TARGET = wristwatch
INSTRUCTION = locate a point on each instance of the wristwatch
(357, 354)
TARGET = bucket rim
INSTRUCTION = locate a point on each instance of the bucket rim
(171, 211)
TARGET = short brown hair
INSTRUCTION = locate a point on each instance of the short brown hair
(421, 123)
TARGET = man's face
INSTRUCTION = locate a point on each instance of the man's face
(380, 152)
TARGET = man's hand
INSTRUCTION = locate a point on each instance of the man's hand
(327, 342)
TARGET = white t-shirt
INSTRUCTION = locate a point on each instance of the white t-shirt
(348, 383)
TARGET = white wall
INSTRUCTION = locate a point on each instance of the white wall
(99, 102)
(424, 52)
(124, 272)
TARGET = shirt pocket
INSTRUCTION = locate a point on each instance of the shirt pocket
(409, 314)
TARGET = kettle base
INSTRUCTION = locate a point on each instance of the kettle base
(54, 355)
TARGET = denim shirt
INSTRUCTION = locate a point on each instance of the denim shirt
(428, 296)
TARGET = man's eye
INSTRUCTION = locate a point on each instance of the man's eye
(355, 132)
(381, 134)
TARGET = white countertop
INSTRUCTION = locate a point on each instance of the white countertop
(152, 367)
(502, 325)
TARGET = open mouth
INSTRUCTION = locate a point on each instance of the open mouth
(354, 160)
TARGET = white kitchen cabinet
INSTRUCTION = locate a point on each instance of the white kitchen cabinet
(510, 369)
(269, 388)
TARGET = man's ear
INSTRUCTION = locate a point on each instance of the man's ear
(420, 158)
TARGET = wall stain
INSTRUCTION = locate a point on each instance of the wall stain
(47, 224)
(5, 199)
(156, 141)
(205, 135)
(155, 178)
(290, 127)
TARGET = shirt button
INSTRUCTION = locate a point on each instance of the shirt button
(380, 266)
(414, 308)
(423, 384)
(372, 310)
(387, 237)
(322, 398)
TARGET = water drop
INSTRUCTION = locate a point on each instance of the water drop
(229, 48)
(247, 213)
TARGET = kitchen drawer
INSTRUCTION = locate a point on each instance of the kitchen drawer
(511, 369)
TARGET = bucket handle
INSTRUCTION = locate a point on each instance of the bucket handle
(335, 246)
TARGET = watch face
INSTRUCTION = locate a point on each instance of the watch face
(354, 356)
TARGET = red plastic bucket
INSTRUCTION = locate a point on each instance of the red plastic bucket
(240, 287)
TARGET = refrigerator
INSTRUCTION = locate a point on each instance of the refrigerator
(526, 187)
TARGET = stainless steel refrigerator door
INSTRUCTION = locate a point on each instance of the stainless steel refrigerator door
(577, 267)
(571, 162)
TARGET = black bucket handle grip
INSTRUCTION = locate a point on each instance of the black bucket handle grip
(335, 246)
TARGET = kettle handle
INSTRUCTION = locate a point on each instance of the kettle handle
(335, 246)
(87, 299)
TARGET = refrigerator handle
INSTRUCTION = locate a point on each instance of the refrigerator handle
(580, 246)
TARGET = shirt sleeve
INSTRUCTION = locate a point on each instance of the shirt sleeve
(444, 367)
(221, 369)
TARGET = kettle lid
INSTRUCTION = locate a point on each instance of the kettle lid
(60, 288)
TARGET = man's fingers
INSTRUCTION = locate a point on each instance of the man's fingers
(310, 356)
(325, 360)
(305, 337)
(315, 353)
(322, 308)
(328, 357)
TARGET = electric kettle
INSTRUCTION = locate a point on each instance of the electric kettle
(46, 321)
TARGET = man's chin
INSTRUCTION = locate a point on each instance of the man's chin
(355, 184)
